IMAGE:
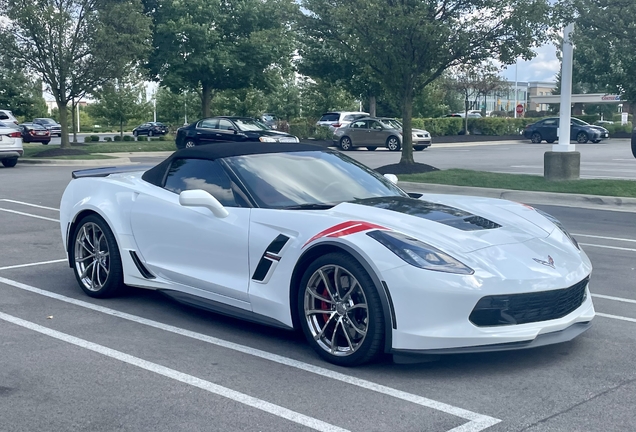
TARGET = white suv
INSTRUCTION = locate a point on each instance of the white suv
(8, 118)
(336, 119)
(10, 145)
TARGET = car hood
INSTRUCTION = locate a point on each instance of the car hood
(455, 223)
(421, 131)
(599, 128)
(267, 133)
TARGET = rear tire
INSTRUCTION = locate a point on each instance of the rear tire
(10, 163)
(95, 258)
(350, 332)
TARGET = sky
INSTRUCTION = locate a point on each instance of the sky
(543, 67)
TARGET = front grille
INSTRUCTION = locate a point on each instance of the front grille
(513, 309)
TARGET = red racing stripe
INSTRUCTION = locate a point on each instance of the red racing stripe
(345, 228)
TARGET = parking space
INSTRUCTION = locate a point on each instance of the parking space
(143, 362)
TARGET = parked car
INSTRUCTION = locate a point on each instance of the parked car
(471, 114)
(634, 142)
(269, 120)
(32, 132)
(151, 129)
(421, 137)
(335, 119)
(224, 128)
(580, 131)
(372, 132)
(8, 119)
(54, 127)
(10, 144)
(301, 237)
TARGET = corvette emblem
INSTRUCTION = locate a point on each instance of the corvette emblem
(549, 262)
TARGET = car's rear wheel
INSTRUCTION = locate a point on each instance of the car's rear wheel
(95, 257)
(371, 148)
(340, 310)
(393, 144)
(536, 138)
(10, 163)
(581, 138)
(345, 143)
(190, 143)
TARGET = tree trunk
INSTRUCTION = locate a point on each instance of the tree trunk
(206, 99)
(407, 129)
(121, 129)
(73, 117)
(61, 106)
(372, 106)
(466, 116)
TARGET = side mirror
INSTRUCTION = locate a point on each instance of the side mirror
(200, 198)
(392, 178)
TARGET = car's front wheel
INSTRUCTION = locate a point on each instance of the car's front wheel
(10, 163)
(95, 258)
(340, 310)
(345, 143)
(536, 138)
(190, 143)
(581, 138)
(393, 144)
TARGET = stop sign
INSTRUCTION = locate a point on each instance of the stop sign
(519, 109)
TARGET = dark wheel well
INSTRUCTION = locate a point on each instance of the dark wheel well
(322, 249)
(71, 230)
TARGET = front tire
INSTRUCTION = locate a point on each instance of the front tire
(536, 138)
(345, 143)
(190, 143)
(340, 310)
(10, 163)
(581, 138)
(393, 144)
(95, 257)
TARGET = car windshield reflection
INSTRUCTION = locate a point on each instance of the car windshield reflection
(306, 180)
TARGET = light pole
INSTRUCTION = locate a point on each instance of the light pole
(516, 84)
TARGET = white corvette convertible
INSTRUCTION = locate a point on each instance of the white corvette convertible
(301, 237)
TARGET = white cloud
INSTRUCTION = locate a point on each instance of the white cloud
(543, 67)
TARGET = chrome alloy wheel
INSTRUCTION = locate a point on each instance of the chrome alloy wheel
(92, 257)
(336, 310)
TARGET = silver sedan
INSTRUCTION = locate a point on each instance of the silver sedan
(372, 133)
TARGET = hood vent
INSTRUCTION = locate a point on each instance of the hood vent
(439, 213)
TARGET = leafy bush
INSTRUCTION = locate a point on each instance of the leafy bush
(588, 118)
(108, 139)
(617, 127)
(143, 138)
(95, 138)
(128, 138)
(307, 128)
(117, 138)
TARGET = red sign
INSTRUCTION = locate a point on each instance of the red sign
(519, 109)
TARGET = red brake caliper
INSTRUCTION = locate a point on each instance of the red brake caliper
(324, 305)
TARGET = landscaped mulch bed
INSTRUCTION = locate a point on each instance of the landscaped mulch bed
(416, 168)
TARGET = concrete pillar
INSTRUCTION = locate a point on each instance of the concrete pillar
(562, 165)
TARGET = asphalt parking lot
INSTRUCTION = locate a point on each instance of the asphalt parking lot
(142, 362)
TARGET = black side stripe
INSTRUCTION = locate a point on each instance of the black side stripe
(269, 256)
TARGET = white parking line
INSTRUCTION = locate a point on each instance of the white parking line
(604, 238)
(477, 422)
(618, 299)
(225, 392)
(28, 214)
(29, 204)
(616, 317)
(608, 247)
(33, 264)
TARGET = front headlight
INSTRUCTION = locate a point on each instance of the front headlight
(420, 254)
(267, 139)
(559, 226)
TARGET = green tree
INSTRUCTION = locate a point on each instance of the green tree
(408, 44)
(74, 46)
(121, 101)
(176, 109)
(18, 92)
(320, 96)
(211, 46)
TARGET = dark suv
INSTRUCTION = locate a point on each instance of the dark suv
(634, 142)
(53, 127)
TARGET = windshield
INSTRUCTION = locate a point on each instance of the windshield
(250, 125)
(46, 121)
(393, 123)
(579, 122)
(279, 180)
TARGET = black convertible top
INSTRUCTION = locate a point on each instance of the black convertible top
(221, 150)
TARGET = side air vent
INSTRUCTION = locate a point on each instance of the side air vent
(140, 266)
(269, 257)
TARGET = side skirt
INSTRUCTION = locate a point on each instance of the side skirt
(223, 309)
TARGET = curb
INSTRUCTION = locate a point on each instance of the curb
(77, 162)
(592, 202)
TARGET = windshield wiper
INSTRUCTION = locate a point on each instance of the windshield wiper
(309, 206)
